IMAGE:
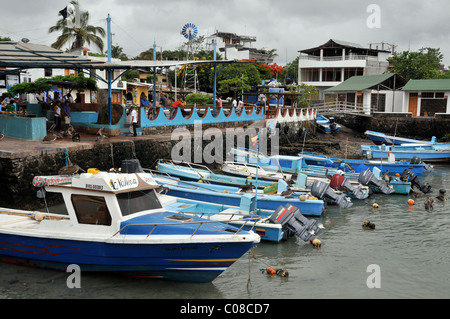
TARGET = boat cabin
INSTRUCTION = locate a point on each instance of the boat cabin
(103, 198)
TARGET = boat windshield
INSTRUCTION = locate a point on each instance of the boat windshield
(138, 201)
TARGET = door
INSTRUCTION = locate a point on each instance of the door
(413, 97)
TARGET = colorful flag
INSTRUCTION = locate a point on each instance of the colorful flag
(255, 140)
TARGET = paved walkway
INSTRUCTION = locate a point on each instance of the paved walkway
(17, 148)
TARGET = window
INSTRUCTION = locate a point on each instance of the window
(310, 75)
(378, 102)
(91, 210)
(428, 95)
(48, 72)
(331, 75)
(138, 201)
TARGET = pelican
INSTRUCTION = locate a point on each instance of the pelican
(70, 169)
(441, 195)
(2, 136)
(49, 138)
(429, 204)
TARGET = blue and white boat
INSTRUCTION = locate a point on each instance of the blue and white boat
(429, 153)
(116, 223)
(327, 125)
(232, 196)
(200, 173)
(390, 165)
(379, 138)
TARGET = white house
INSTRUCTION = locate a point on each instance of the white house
(335, 61)
(233, 46)
(427, 97)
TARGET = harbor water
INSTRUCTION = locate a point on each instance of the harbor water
(409, 248)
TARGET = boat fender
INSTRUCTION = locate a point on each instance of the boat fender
(368, 225)
(316, 242)
(39, 216)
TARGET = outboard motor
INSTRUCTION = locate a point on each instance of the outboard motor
(418, 160)
(367, 178)
(333, 125)
(409, 176)
(293, 222)
(323, 191)
(339, 182)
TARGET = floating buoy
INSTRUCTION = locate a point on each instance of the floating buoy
(316, 242)
(375, 205)
(411, 202)
(368, 225)
(270, 271)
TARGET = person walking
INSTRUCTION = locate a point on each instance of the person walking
(57, 115)
(134, 121)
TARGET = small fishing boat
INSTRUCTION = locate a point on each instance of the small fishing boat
(244, 169)
(232, 195)
(240, 217)
(115, 222)
(429, 153)
(357, 165)
(200, 173)
(327, 125)
(379, 138)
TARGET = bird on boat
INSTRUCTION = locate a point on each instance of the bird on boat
(70, 169)
(387, 178)
(441, 195)
(286, 193)
(429, 204)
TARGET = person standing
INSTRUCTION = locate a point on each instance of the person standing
(66, 114)
(134, 121)
(57, 115)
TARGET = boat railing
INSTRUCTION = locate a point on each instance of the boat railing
(190, 165)
(200, 223)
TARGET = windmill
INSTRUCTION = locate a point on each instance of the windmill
(190, 79)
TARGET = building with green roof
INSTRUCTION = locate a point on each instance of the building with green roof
(427, 97)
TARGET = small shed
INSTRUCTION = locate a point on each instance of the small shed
(427, 97)
(375, 93)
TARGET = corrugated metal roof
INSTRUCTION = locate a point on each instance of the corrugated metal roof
(428, 85)
(359, 83)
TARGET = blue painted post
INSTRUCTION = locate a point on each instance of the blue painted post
(108, 20)
(215, 78)
(154, 74)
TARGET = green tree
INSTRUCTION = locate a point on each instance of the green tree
(307, 92)
(84, 34)
(424, 64)
(234, 85)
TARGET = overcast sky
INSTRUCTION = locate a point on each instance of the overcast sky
(285, 25)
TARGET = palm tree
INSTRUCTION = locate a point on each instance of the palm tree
(84, 34)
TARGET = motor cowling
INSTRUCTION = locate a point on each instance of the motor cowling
(417, 160)
(294, 223)
(339, 182)
(410, 176)
(367, 178)
(323, 191)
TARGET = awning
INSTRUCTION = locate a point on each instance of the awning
(360, 83)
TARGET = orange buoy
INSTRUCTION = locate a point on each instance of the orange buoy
(270, 271)
(411, 202)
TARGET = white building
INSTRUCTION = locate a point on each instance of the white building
(335, 61)
(232, 46)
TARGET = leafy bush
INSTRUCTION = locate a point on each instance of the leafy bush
(197, 98)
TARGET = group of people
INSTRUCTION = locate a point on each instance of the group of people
(8, 104)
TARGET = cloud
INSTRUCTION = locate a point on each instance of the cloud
(285, 25)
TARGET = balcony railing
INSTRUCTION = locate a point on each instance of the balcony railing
(338, 58)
